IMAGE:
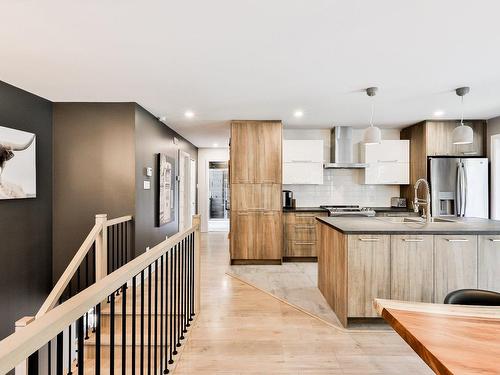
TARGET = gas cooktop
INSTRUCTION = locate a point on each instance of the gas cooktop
(349, 210)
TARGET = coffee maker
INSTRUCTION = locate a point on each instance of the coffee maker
(287, 198)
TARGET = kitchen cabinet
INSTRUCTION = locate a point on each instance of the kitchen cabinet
(253, 235)
(412, 277)
(433, 138)
(299, 235)
(256, 233)
(303, 162)
(388, 162)
(439, 135)
(368, 264)
(455, 264)
(255, 152)
(489, 262)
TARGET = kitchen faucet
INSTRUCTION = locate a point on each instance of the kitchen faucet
(423, 202)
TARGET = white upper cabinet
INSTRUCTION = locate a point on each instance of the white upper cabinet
(388, 162)
(303, 162)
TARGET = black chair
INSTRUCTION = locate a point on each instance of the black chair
(473, 297)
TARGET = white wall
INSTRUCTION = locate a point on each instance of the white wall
(206, 155)
(341, 186)
(494, 156)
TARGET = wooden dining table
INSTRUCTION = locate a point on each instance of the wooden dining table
(451, 339)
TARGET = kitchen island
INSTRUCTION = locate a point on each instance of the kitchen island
(360, 259)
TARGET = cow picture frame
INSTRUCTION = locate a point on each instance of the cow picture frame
(17, 164)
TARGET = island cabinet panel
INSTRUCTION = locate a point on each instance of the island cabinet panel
(368, 262)
(412, 276)
(332, 269)
(456, 264)
(489, 263)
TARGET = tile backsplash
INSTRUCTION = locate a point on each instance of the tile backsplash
(343, 186)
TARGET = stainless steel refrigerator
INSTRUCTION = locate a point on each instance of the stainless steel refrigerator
(459, 186)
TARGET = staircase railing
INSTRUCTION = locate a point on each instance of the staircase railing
(160, 296)
(107, 247)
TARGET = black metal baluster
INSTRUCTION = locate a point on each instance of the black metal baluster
(108, 248)
(149, 319)
(166, 371)
(59, 354)
(93, 266)
(112, 335)
(185, 279)
(33, 364)
(188, 261)
(193, 274)
(174, 312)
(69, 349)
(49, 358)
(161, 313)
(80, 346)
(124, 329)
(170, 314)
(134, 287)
(126, 242)
(181, 290)
(142, 324)
(87, 270)
(98, 340)
(156, 320)
(179, 285)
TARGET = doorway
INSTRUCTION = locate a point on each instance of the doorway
(218, 196)
(495, 177)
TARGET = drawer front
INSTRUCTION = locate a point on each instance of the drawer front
(300, 232)
(300, 248)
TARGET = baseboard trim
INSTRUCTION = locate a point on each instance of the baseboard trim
(301, 259)
(259, 262)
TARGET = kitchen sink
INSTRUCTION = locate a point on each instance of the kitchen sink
(414, 219)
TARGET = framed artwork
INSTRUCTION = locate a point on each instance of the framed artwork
(17, 164)
(166, 188)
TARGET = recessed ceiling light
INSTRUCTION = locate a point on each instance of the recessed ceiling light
(298, 113)
(163, 118)
(216, 145)
(189, 114)
(438, 113)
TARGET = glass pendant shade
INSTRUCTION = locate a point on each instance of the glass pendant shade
(372, 135)
(462, 135)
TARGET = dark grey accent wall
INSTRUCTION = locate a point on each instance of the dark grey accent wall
(26, 224)
(93, 171)
(153, 137)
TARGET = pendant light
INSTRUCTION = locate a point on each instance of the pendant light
(463, 134)
(372, 134)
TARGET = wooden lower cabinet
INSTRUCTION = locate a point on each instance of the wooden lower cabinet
(368, 270)
(299, 235)
(412, 277)
(489, 263)
(256, 235)
(455, 264)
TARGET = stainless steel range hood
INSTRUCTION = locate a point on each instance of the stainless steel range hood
(341, 153)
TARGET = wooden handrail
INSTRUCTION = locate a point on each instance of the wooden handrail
(20, 345)
(118, 220)
(65, 278)
(100, 226)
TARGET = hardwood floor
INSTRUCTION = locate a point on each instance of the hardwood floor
(243, 330)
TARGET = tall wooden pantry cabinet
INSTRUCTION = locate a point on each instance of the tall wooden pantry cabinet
(255, 174)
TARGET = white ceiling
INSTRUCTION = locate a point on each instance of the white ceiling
(258, 59)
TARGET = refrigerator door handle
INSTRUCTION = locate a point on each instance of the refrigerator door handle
(460, 190)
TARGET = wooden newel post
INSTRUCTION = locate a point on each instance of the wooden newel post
(22, 368)
(101, 247)
(197, 262)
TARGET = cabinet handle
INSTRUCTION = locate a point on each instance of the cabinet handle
(305, 227)
(388, 161)
(457, 240)
(369, 239)
(301, 161)
(495, 239)
(304, 243)
(413, 239)
(469, 153)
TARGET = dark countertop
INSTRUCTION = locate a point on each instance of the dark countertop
(304, 209)
(391, 209)
(380, 225)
